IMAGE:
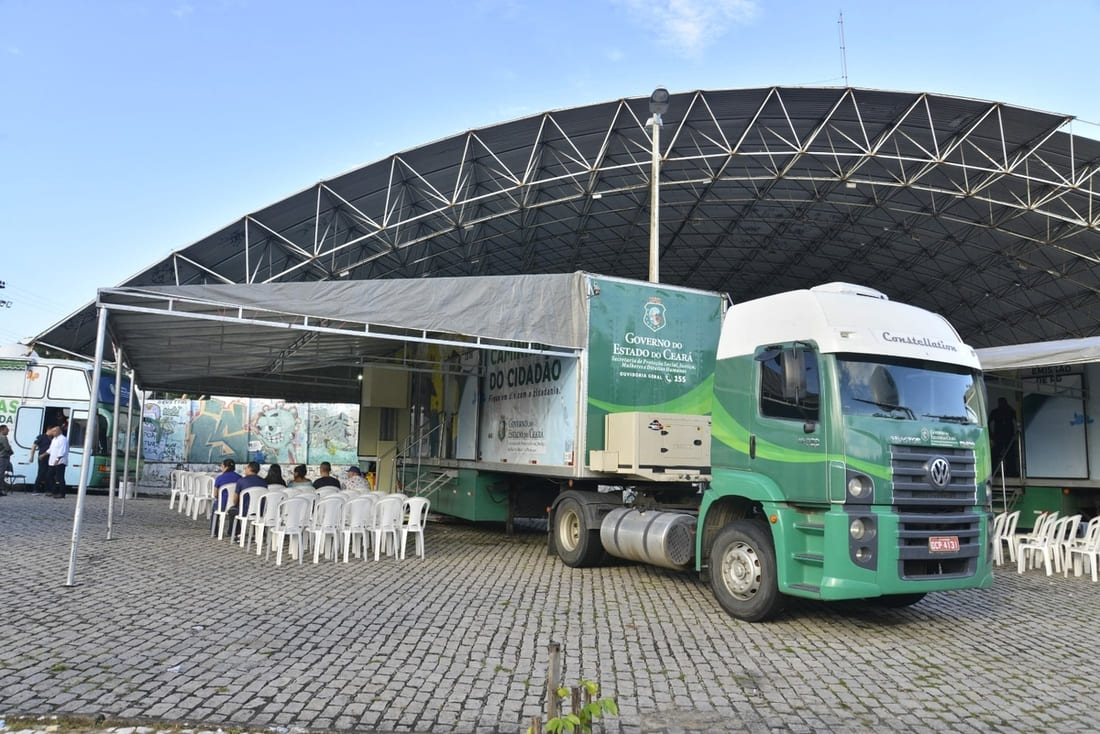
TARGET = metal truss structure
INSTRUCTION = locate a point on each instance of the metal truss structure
(984, 212)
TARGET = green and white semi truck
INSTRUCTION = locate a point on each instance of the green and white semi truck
(848, 459)
(825, 443)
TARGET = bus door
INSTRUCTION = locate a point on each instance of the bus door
(28, 425)
(78, 426)
(33, 420)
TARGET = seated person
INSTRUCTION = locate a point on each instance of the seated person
(250, 479)
(326, 480)
(300, 480)
(275, 475)
(229, 475)
(355, 481)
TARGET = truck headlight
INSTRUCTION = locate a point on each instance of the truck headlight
(862, 541)
(859, 486)
(862, 528)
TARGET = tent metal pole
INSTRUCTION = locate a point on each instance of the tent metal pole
(141, 432)
(131, 394)
(114, 442)
(89, 439)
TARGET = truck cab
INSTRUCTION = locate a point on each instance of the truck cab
(849, 454)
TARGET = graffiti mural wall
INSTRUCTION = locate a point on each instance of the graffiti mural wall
(333, 434)
(208, 431)
(218, 430)
(164, 431)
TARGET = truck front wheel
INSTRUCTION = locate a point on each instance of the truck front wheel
(578, 545)
(742, 571)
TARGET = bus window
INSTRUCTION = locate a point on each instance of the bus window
(125, 436)
(68, 384)
(102, 436)
(20, 381)
(77, 426)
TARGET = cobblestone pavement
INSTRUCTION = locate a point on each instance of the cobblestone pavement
(170, 627)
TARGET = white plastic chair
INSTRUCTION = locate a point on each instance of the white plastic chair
(1086, 547)
(358, 513)
(1045, 547)
(176, 483)
(248, 509)
(1036, 533)
(202, 495)
(996, 527)
(311, 496)
(292, 525)
(221, 508)
(189, 483)
(416, 518)
(328, 522)
(386, 524)
(1063, 539)
(1006, 537)
(268, 515)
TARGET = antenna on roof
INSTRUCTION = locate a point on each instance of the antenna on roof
(843, 50)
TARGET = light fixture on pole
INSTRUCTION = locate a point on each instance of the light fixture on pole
(658, 105)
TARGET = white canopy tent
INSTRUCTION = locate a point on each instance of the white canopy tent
(311, 341)
(1040, 354)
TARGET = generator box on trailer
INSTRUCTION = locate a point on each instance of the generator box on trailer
(664, 445)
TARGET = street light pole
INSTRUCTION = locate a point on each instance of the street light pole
(658, 105)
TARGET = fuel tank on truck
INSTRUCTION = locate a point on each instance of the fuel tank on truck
(664, 539)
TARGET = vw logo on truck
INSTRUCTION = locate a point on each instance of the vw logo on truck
(939, 472)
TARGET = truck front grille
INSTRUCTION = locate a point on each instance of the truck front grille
(913, 484)
(933, 504)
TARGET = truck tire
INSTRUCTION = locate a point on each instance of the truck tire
(577, 544)
(743, 573)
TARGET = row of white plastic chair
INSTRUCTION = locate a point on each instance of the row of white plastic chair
(352, 521)
(1055, 542)
(191, 493)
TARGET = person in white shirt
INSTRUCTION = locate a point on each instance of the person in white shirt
(59, 457)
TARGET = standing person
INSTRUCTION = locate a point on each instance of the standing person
(1002, 436)
(58, 458)
(326, 480)
(5, 460)
(40, 452)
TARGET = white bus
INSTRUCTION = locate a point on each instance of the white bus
(37, 393)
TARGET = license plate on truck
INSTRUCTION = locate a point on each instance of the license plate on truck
(943, 543)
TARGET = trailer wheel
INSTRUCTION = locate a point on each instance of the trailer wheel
(742, 571)
(578, 545)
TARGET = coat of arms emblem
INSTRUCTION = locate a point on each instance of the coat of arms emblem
(654, 316)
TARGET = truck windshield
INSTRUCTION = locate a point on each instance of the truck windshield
(909, 390)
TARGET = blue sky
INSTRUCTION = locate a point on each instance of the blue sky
(132, 128)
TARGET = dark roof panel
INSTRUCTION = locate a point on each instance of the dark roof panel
(982, 211)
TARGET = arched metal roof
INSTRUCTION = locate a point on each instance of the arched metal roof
(986, 213)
